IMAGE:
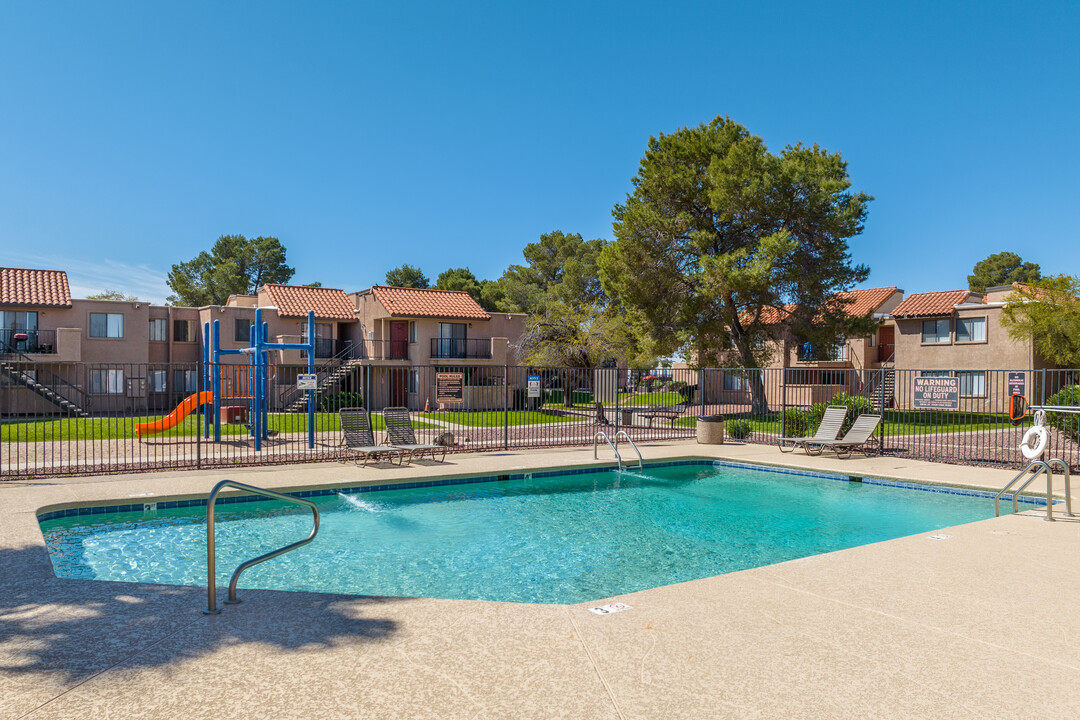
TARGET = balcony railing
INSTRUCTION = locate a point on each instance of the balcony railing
(27, 341)
(460, 348)
(328, 348)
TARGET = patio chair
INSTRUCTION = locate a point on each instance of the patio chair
(400, 435)
(854, 439)
(358, 439)
(828, 430)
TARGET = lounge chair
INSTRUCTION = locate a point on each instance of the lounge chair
(400, 434)
(854, 439)
(358, 438)
(828, 430)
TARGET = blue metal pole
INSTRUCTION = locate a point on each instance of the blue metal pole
(217, 381)
(206, 378)
(256, 345)
(264, 388)
(311, 371)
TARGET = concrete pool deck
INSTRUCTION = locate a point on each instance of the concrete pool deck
(980, 625)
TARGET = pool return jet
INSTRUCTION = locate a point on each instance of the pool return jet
(1033, 446)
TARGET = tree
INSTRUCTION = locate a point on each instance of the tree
(1003, 268)
(719, 233)
(112, 295)
(234, 266)
(461, 279)
(1046, 312)
(407, 276)
(571, 321)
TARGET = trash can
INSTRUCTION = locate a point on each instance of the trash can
(710, 429)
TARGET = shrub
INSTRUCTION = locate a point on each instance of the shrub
(687, 392)
(738, 429)
(797, 423)
(1067, 424)
(333, 403)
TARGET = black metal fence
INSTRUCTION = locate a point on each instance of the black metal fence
(78, 418)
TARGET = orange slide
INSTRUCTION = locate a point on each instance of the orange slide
(176, 416)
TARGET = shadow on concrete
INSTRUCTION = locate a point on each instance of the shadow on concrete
(74, 629)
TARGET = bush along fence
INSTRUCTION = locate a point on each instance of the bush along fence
(78, 418)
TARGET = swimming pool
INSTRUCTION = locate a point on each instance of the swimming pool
(544, 537)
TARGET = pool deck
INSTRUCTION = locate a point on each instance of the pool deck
(983, 624)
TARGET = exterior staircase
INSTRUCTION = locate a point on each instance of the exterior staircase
(328, 378)
(873, 390)
(49, 385)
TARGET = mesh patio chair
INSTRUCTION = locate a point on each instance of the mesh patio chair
(358, 439)
(854, 439)
(400, 435)
(828, 430)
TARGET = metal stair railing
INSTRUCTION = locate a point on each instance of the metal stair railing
(607, 439)
(1040, 467)
(325, 374)
(622, 433)
(50, 390)
(211, 549)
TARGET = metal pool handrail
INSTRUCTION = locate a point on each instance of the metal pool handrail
(1040, 467)
(211, 554)
(614, 449)
(622, 433)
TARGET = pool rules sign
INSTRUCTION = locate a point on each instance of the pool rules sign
(449, 387)
(936, 393)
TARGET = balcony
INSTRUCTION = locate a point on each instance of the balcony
(27, 342)
(328, 348)
(461, 348)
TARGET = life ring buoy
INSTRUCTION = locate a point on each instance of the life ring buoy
(1034, 443)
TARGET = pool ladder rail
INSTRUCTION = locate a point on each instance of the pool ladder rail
(615, 447)
(1039, 467)
(211, 551)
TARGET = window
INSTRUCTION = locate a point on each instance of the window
(733, 382)
(159, 330)
(972, 383)
(971, 329)
(106, 325)
(157, 381)
(184, 380)
(18, 320)
(181, 331)
(414, 380)
(242, 330)
(935, 373)
(107, 382)
(412, 331)
(935, 331)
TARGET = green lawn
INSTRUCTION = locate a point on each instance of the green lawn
(897, 422)
(494, 418)
(119, 428)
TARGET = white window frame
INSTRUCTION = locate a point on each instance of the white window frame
(107, 381)
(412, 331)
(163, 325)
(414, 381)
(941, 339)
(158, 381)
(190, 380)
(969, 378)
(976, 322)
(114, 326)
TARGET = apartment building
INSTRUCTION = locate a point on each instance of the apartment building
(107, 356)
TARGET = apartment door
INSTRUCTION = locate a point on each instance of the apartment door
(886, 343)
(399, 387)
(452, 340)
(399, 340)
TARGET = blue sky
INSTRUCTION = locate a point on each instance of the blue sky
(132, 135)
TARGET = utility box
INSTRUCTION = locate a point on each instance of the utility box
(234, 414)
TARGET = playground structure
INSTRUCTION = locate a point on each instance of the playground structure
(256, 378)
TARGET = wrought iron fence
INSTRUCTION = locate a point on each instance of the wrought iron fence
(69, 418)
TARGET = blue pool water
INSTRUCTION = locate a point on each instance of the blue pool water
(560, 539)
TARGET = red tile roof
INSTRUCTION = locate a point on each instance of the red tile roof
(36, 288)
(414, 302)
(295, 301)
(930, 304)
(863, 302)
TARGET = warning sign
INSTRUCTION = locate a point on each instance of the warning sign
(449, 387)
(534, 386)
(305, 381)
(1017, 383)
(936, 393)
